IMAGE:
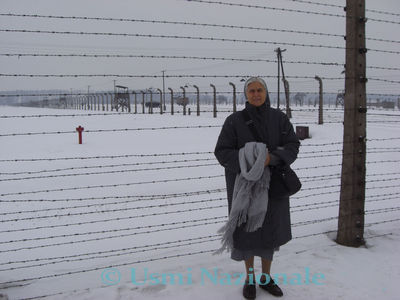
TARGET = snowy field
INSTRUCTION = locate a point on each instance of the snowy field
(138, 201)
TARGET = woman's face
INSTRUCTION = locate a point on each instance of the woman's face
(256, 94)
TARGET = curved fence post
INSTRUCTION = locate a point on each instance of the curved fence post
(215, 100)
(321, 101)
(172, 101)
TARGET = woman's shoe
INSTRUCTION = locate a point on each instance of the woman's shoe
(249, 290)
(271, 287)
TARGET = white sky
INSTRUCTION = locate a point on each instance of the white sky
(180, 10)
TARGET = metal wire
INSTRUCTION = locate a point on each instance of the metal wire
(119, 210)
(177, 57)
(111, 130)
(287, 10)
(105, 156)
(124, 235)
(134, 198)
(107, 166)
(160, 76)
(111, 185)
(173, 22)
(163, 36)
(110, 172)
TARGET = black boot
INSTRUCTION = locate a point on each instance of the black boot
(249, 290)
(271, 287)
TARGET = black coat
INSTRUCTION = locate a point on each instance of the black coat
(275, 130)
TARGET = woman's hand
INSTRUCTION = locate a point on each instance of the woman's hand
(267, 160)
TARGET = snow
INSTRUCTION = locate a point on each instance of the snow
(85, 224)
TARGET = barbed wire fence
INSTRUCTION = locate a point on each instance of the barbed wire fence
(54, 220)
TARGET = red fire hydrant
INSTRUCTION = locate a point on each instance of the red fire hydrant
(80, 129)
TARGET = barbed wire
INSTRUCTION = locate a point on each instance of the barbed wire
(381, 150)
(288, 10)
(383, 12)
(382, 187)
(95, 222)
(268, 8)
(335, 203)
(178, 37)
(62, 259)
(383, 80)
(316, 3)
(124, 130)
(161, 197)
(122, 209)
(68, 94)
(118, 219)
(172, 22)
(177, 167)
(342, 7)
(113, 253)
(107, 204)
(107, 166)
(136, 198)
(107, 156)
(165, 76)
(333, 231)
(124, 235)
(66, 258)
(81, 271)
(229, 26)
(175, 57)
(163, 36)
(66, 115)
(194, 58)
(298, 237)
(99, 268)
(64, 94)
(109, 172)
(381, 197)
(141, 207)
(346, 154)
(334, 192)
(111, 130)
(111, 185)
(381, 210)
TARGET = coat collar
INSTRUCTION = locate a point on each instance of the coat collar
(257, 110)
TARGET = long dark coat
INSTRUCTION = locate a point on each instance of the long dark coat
(277, 132)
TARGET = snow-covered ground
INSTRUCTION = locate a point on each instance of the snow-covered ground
(139, 201)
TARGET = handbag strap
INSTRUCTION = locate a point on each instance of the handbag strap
(250, 123)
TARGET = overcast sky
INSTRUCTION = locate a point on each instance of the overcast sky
(187, 11)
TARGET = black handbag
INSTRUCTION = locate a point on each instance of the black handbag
(284, 181)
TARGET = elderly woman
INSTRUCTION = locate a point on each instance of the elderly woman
(274, 129)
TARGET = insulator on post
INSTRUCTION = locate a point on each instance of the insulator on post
(363, 20)
(363, 50)
(362, 110)
(363, 79)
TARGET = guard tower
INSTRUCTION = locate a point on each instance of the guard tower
(121, 99)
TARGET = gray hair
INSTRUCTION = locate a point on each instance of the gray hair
(252, 80)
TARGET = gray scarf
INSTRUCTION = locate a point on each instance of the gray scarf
(250, 193)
